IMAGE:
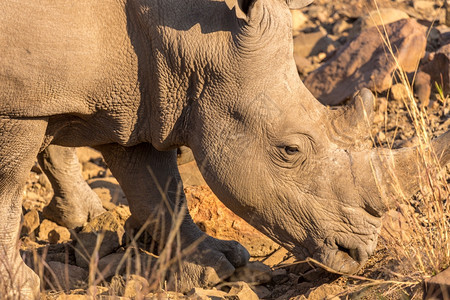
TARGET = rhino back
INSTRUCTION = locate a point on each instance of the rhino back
(63, 56)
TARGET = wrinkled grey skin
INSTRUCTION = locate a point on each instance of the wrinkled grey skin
(135, 79)
(74, 202)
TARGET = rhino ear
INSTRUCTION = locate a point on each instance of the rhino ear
(240, 6)
(297, 4)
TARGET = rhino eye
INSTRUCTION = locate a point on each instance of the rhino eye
(291, 150)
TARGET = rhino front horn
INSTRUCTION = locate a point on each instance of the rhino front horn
(403, 167)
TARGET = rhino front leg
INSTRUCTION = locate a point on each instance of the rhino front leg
(73, 202)
(20, 141)
(153, 187)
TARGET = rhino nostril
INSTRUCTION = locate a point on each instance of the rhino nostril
(353, 253)
(373, 211)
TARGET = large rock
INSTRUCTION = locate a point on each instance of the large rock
(383, 16)
(106, 229)
(220, 222)
(365, 62)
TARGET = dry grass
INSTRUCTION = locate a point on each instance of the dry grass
(416, 233)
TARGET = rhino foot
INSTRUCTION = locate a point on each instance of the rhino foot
(213, 261)
(74, 210)
(20, 282)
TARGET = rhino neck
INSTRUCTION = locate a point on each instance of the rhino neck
(187, 46)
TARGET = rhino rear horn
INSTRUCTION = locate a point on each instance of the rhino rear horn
(350, 124)
(298, 4)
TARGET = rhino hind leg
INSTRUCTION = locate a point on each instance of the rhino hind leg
(74, 202)
(153, 187)
(20, 140)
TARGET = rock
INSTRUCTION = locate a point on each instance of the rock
(277, 257)
(255, 273)
(30, 223)
(447, 12)
(86, 154)
(91, 170)
(218, 221)
(165, 295)
(376, 18)
(261, 291)
(202, 294)
(126, 262)
(52, 232)
(279, 275)
(109, 192)
(136, 286)
(304, 65)
(325, 291)
(241, 291)
(363, 62)
(398, 92)
(311, 44)
(298, 20)
(424, 7)
(436, 70)
(105, 227)
(108, 265)
(64, 276)
(438, 287)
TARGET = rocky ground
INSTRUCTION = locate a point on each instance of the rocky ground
(338, 50)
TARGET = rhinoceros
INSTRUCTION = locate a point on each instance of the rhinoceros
(136, 79)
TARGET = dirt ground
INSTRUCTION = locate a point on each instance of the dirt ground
(282, 276)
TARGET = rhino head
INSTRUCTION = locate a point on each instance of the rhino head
(299, 172)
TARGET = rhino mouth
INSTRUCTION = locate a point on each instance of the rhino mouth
(343, 255)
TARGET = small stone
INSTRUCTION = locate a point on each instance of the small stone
(241, 291)
(136, 286)
(325, 291)
(109, 192)
(30, 222)
(91, 170)
(52, 232)
(278, 275)
(399, 92)
(438, 287)
(202, 294)
(261, 291)
(59, 234)
(425, 7)
(106, 227)
(64, 276)
(255, 273)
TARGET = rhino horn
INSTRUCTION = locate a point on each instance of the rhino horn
(403, 170)
(351, 123)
